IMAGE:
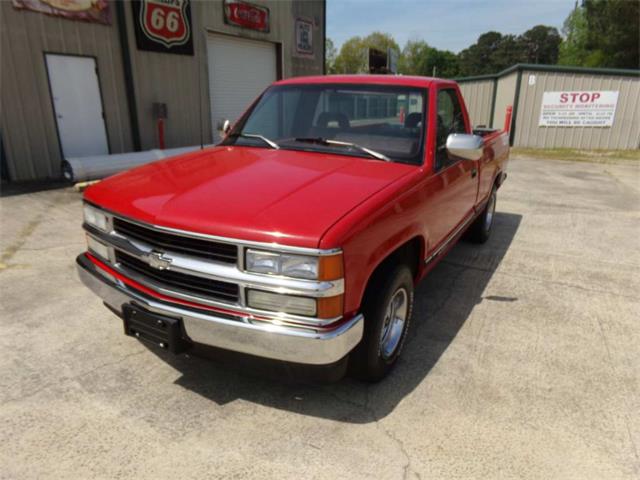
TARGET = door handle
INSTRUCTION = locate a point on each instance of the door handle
(474, 172)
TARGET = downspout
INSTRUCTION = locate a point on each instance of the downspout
(324, 37)
(493, 103)
(128, 74)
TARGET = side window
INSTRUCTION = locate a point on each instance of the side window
(450, 120)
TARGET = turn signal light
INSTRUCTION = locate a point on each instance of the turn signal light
(330, 307)
(331, 267)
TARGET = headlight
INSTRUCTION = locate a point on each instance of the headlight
(293, 265)
(297, 266)
(95, 218)
(97, 247)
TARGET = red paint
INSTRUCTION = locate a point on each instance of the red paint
(165, 21)
(579, 97)
(366, 207)
(247, 15)
(507, 119)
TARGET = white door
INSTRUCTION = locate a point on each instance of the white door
(77, 105)
(239, 70)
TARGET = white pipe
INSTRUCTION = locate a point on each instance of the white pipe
(78, 169)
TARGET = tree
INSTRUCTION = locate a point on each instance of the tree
(330, 56)
(573, 50)
(602, 33)
(540, 44)
(479, 58)
(413, 58)
(418, 58)
(613, 32)
(442, 63)
(353, 56)
(508, 52)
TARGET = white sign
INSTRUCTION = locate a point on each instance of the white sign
(304, 37)
(578, 109)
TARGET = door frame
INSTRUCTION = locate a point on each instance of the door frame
(53, 107)
(212, 31)
(278, 45)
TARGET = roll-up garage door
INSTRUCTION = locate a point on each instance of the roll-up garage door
(239, 70)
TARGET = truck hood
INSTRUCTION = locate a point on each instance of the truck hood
(284, 196)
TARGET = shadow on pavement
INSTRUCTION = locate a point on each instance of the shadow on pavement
(443, 302)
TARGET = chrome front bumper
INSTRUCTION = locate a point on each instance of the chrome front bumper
(240, 334)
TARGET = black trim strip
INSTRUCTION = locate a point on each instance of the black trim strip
(552, 69)
(493, 104)
(514, 112)
(128, 75)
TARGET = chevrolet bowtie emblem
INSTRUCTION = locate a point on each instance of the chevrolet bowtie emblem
(158, 260)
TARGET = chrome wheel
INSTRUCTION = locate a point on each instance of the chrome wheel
(394, 321)
(491, 210)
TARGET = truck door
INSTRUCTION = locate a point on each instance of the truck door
(457, 177)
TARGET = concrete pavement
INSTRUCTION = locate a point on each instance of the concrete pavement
(522, 362)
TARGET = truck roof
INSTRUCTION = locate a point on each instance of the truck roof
(403, 80)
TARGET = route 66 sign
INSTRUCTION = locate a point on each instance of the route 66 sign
(163, 26)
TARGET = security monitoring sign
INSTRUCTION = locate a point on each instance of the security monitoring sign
(578, 109)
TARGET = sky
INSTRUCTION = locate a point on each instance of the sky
(443, 24)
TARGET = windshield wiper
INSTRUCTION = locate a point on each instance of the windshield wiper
(326, 141)
(271, 143)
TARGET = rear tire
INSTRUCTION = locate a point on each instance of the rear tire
(387, 309)
(480, 230)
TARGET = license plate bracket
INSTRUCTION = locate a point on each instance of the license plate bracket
(162, 331)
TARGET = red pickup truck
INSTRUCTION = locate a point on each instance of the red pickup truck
(301, 236)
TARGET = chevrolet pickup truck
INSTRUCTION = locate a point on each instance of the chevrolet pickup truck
(300, 237)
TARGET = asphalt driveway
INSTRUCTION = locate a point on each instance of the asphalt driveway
(523, 360)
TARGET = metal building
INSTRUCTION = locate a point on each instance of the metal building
(559, 107)
(128, 76)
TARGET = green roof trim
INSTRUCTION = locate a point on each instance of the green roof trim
(553, 69)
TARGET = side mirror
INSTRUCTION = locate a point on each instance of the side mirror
(463, 145)
(224, 127)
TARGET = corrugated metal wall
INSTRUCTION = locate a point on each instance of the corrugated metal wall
(478, 96)
(624, 134)
(173, 79)
(27, 120)
(505, 95)
(27, 123)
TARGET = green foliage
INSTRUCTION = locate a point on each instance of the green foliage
(494, 52)
(573, 51)
(598, 33)
(540, 44)
(418, 58)
(602, 33)
(353, 56)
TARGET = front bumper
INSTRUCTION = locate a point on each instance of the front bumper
(237, 333)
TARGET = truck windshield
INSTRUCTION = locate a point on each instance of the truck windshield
(374, 121)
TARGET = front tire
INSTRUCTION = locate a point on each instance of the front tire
(387, 309)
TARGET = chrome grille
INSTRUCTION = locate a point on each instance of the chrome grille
(190, 284)
(195, 247)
